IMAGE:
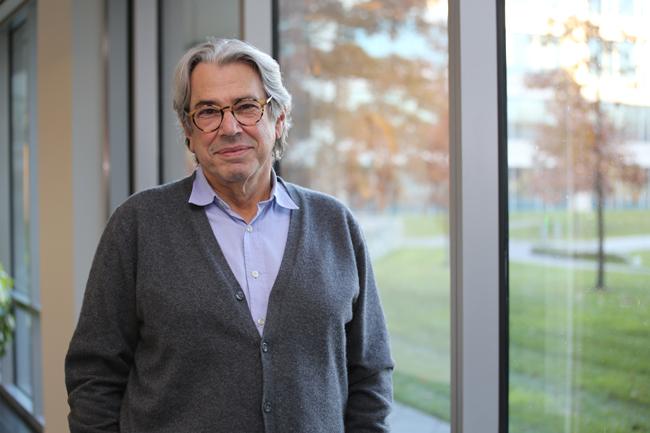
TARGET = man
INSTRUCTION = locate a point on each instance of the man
(230, 301)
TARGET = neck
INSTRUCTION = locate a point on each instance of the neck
(243, 197)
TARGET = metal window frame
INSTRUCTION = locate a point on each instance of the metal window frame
(117, 152)
(475, 231)
(30, 409)
(146, 120)
(8, 7)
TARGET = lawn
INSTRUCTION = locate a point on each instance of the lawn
(579, 359)
(419, 225)
(558, 224)
(414, 286)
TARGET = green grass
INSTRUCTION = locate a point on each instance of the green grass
(559, 224)
(418, 225)
(414, 286)
(578, 357)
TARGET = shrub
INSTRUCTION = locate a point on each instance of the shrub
(7, 323)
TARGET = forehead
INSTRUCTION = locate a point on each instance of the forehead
(224, 83)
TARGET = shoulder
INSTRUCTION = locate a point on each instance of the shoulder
(148, 206)
(312, 198)
(324, 211)
(317, 202)
(159, 197)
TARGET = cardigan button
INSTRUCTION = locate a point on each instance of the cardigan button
(267, 407)
(265, 346)
(239, 296)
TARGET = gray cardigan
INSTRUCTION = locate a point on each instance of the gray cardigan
(165, 341)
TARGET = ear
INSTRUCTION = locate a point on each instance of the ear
(188, 140)
(279, 123)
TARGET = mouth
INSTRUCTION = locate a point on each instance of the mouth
(232, 151)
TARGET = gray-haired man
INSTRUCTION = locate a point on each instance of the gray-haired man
(230, 301)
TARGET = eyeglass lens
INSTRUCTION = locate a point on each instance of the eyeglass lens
(247, 112)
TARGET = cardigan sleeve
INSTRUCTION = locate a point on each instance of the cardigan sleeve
(100, 355)
(370, 389)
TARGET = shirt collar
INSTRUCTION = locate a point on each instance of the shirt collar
(203, 194)
(281, 194)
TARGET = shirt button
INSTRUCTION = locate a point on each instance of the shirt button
(255, 274)
(265, 347)
(239, 295)
(249, 229)
(260, 322)
(267, 407)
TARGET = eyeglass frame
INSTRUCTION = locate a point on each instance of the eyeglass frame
(263, 103)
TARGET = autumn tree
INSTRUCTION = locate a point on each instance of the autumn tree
(580, 137)
(370, 127)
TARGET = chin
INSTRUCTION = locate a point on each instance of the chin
(236, 176)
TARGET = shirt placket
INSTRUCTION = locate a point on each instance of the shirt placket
(255, 276)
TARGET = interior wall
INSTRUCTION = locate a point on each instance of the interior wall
(71, 186)
(54, 107)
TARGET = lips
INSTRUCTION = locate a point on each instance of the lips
(232, 150)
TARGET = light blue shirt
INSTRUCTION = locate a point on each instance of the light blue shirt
(253, 251)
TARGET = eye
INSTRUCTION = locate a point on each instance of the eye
(208, 112)
(247, 106)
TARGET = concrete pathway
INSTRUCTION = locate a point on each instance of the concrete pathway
(405, 419)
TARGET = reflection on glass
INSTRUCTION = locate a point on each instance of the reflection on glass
(20, 159)
(369, 82)
(23, 351)
(579, 203)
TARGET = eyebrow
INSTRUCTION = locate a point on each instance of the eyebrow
(212, 102)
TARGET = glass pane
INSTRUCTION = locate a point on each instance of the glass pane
(23, 347)
(20, 159)
(185, 24)
(369, 82)
(579, 204)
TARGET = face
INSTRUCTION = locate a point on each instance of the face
(233, 154)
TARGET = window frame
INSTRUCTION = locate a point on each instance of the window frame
(29, 408)
(478, 244)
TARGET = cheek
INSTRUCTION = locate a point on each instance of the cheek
(200, 143)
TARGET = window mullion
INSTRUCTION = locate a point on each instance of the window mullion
(474, 216)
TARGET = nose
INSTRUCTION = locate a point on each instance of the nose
(229, 125)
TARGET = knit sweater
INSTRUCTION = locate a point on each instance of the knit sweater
(165, 342)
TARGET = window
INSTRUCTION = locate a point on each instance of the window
(370, 116)
(626, 7)
(21, 367)
(595, 6)
(626, 62)
(579, 219)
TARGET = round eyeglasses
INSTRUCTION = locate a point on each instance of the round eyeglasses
(246, 111)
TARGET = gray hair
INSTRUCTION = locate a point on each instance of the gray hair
(227, 51)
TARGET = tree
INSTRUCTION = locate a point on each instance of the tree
(580, 137)
(376, 125)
